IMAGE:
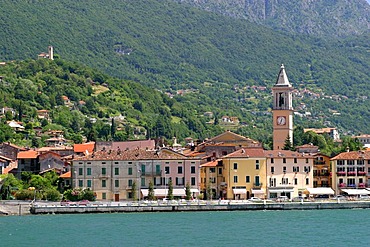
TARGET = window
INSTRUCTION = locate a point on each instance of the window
(307, 181)
(307, 169)
(130, 182)
(284, 169)
(142, 169)
(116, 183)
(340, 162)
(192, 180)
(80, 183)
(295, 160)
(295, 181)
(272, 182)
(142, 181)
(284, 160)
(89, 183)
(220, 170)
(167, 170)
(80, 171)
(235, 179)
(350, 162)
(247, 179)
(284, 181)
(295, 168)
(104, 183)
(158, 169)
(116, 171)
(104, 196)
(179, 162)
(257, 180)
(130, 171)
(306, 160)
(192, 169)
(272, 160)
(88, 171)
(257, 164)
(104, 171)
(272, 169)
(212, 170)
(360, 162)
(179, 169)
(235, 166)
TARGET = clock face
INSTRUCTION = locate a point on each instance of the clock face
(281, 120)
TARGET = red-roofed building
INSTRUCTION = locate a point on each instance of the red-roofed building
(112, 173)
(84, 149)
(126, 145)
(28, 162)
(349, 170)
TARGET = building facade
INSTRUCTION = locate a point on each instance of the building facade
(288, 173)
(116, 175)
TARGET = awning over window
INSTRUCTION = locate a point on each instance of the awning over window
(321, 191)
(239, 191)
(260, 191)
(356, 192)
(281, 190)
(145, 192)
(164, 192)
(194, 190)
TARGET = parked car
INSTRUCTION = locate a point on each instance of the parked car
(339, 197)
(298, 199)
(84, 202)
(364, 197)
(65, 203)
(283, 199)
(255, 199)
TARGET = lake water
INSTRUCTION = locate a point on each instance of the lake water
(237, 228)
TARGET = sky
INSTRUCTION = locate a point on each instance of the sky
(368, 1)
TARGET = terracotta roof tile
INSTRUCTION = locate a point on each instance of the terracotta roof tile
(30, 154)
(82, 148)
(66, 175)
(247, 153)
(286, 154)
(353, 155)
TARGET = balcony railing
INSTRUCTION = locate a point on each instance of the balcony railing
(257, 185)
(361, 173)
(341, 173)
(319, 162)
(149, 173)
(361, 185)
(342, 185)
(351, 173)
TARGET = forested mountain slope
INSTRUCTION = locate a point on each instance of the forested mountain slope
(319, 17)
(172, 47)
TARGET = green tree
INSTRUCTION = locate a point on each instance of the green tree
(288, 144)
(187, 191)
(134, 191)
(151, 196)
(209, 190)
(170, 190)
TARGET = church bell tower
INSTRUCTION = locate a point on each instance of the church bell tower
(282, 110)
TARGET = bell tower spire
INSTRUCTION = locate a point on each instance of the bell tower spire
(282, 110)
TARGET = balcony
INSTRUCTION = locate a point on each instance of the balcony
(351, 185)
(361, 173)
(150, 174)
(319, 162)
(257, 185)
(361, 185)
(351, 173)
(341, 173)
(342, 185)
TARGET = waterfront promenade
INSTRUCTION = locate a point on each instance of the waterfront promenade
(177, 206)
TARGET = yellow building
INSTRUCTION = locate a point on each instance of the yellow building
(244, 174)
(211, 179)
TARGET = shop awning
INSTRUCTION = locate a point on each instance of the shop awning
(280, 190)
(145, 192)
(259, 191)
(194, 190)
(239, 191)
(164, 192)
(356, 192)
(321, 191)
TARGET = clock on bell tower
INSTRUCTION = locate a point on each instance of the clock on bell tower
(282, 110)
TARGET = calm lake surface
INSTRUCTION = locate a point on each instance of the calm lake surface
(247, 228)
